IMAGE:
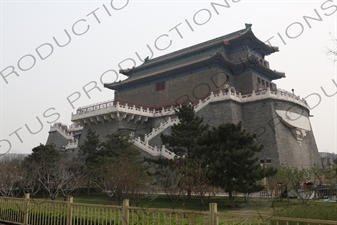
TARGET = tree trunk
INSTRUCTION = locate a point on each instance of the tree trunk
(88, 188)
(189, 194)
(231, 199)
(202, 203)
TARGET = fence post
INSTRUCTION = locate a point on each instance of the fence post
(70, 210)
(213, 217)
(125, 212)
(26, 209)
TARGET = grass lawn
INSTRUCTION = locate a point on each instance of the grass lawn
(312, 210)
(162, 201)
(157, 201)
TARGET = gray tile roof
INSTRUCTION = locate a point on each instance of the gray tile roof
(194, 55)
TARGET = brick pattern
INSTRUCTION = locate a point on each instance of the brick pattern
(56, 139)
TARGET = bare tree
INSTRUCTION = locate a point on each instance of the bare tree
(327, 162)
(56, 172)
(29, 181)
(330, 181)
(332, 51)
(106, 179)
(122, 178)
(185, 168)
(10, 177)
(169, 180)
(302, 182)
(202, 188)
(278, 185)
(70, 174)
(137, 181)
(60, 177)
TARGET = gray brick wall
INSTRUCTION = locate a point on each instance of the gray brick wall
(278, 141)
(56, 139)
(104, 129)
(200, 84)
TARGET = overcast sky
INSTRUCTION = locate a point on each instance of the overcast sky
(106, 33)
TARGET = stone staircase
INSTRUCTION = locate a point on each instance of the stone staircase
(171, 121)
(154, 151)
(155, 131)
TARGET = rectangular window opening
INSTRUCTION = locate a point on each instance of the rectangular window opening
(160, 86)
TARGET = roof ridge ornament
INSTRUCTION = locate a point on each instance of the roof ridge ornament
(248, 25)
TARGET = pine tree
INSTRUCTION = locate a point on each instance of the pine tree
(183, 138)
(230, 152)
(183, 142)
(118, 145)
(88, 152)
(89, 148)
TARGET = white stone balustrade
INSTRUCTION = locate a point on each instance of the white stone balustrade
(166, 153)
(153, 150)
(108, 110)
(116, 111)
(165, 112)
(95, 106)
(74, 127)
(161, 128)
(73, 144)
(62, 129)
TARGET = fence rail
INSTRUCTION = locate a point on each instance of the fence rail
(26, 211)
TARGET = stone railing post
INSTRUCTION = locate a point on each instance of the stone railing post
(70, 210)
(26, 209)
(253, 93)
(125, 212)
(213, 217)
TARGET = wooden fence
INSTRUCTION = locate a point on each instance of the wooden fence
(28, 211)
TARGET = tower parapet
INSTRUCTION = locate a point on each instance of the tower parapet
(108, 111)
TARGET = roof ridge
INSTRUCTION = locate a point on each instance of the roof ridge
(186, 50)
